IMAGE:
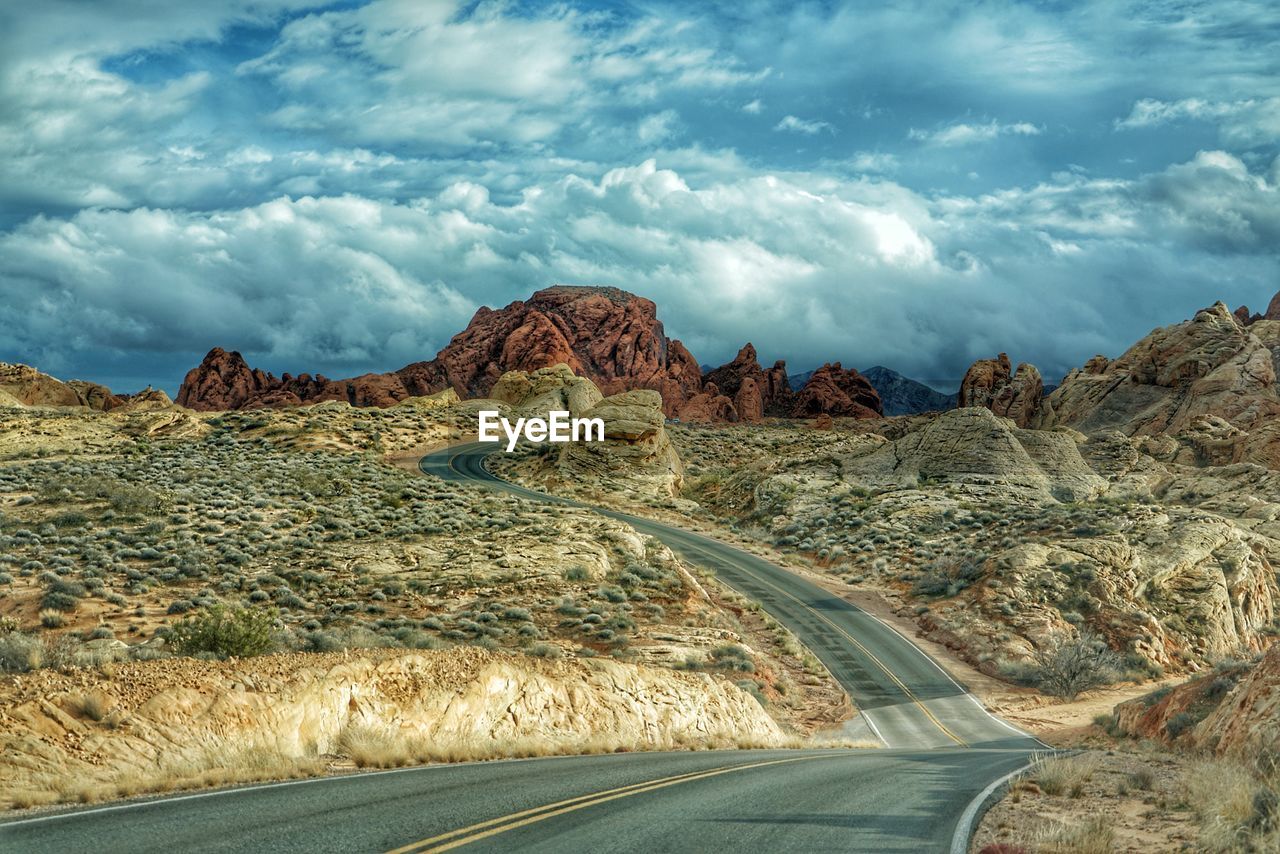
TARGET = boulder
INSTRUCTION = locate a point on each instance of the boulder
(545, 390)
(635, 449)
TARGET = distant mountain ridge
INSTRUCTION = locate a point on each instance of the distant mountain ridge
(904, 396)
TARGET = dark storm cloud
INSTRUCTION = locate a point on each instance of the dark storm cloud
(338, 187)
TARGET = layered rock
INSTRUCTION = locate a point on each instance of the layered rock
(1233, 710)
(1209, 383)
(975, 447)
(901, 395)
(1177, 589)
(546, 389)
(835, 391)
(463, 701)
(993, 384)
(754, 391)
(636, 450)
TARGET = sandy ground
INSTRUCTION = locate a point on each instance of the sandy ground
(1143, 813)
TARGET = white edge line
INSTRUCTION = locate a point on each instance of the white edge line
(887, 625)
(330, 778)
(964, 827)
(860, 610)
(953, 681)
(866, 717)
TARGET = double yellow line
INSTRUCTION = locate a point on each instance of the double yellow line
(494, 826)
(861, 648)
(928, 713)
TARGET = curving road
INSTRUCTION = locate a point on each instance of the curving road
(905, 698)
(920, 795)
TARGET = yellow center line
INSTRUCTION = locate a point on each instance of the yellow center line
(858, 644)
(492, 827)
(867, 652)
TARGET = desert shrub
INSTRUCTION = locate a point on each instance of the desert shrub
(52, 618)
(1236, 806)
(1058, 775)
(1179, 723)
(62, 595)
(226, 632)
(93, 705)
(1066, 667)
(1143, 779)
(1093, 835)
(133, 500)
(577, 573)
(20, 652)
(948, 575)
(545, 650)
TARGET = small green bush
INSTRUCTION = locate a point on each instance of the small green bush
(226, 632)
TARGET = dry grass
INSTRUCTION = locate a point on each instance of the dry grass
(221, 764)
(1237, 809)
(212, 765)
(93, 705)
(371, 747)
(1093, 835)
(1065, 775)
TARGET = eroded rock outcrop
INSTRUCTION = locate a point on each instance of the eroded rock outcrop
(23, 385)
(755, 392)
(546, 389)
(463, 701)
(993, 384)
(709, 405)
(838, 392)
(1208, 382)
(975, 447)
(1232, 710)
(607, 335)
(636, 450)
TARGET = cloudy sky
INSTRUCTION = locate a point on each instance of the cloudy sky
(337, 187)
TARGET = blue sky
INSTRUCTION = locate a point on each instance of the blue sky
(337, 187)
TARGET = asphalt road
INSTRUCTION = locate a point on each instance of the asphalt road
(745, 801)
(905, 698)
(948, 751)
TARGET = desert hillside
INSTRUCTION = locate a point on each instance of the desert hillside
(301, 549)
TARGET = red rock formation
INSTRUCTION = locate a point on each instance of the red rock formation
(222, 381)
(992, 383)
(755, 391)
(1234, 710)
(607, 335)
(708, 405)
(837, 392)
(1273, 309)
